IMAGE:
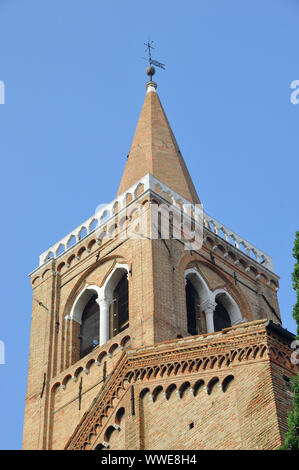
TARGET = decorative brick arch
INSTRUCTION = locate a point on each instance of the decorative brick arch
(105, 299)
(81, 301)
(230, 304)
(199, 282)
(240, 307)
(112, 279)
(206, 295)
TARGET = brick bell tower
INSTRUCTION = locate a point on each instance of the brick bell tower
(140, 343)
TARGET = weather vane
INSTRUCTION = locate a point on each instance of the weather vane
(150, 70)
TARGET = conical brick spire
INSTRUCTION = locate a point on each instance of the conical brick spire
(155, 150)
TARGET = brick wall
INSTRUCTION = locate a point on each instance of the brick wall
(157, 313)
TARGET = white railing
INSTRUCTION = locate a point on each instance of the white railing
(238, 242)
(150, 183)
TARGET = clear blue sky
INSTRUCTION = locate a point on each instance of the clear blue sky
(75, 84)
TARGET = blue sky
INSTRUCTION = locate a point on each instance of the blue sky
(75, 84)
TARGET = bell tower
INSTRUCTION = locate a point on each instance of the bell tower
(143, 339)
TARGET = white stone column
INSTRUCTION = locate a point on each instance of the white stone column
(104, 305)
(208, 307)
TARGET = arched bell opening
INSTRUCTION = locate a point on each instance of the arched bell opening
(90, 326)
(119, 316)
(194, 298)
(221, 316)
(85, 317)
(192, 303)
(226, 313)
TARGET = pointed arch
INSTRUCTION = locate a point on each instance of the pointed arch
(226, 304)
(112, 280)
(115, 292)
(81, 300)
(85, 311)
(197, 293)
(199, 283)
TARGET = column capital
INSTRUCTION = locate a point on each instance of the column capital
(103, 301)
(208, 306)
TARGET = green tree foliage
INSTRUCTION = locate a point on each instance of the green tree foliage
(292, 436)
(296, 281)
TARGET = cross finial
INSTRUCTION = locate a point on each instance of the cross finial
(149, 46)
